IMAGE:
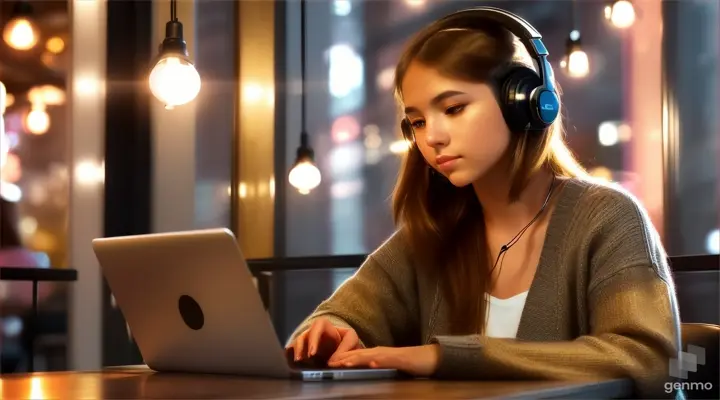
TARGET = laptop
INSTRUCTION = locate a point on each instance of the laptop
(191, 305)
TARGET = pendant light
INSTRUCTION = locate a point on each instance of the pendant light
(174, 79)
(21, 32)
(621, 13)
(576, 62)
(304, 175)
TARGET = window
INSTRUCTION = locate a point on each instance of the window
(33, 150)
(693, 125)
(352, 50)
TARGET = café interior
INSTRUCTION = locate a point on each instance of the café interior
(279, 123)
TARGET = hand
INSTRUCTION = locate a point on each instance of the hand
(416, 361)
(323, 340)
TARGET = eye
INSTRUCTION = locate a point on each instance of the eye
(418, 124)
(455, 109)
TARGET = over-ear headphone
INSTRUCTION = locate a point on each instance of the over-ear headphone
(528, 99)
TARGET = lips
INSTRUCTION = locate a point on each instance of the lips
(440, 160)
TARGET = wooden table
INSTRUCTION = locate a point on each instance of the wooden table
(137, 383)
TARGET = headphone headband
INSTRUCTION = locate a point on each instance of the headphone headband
(529, 36)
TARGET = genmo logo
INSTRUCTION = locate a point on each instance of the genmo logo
(687, 362)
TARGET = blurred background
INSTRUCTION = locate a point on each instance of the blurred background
(88, 149)
(34, 66)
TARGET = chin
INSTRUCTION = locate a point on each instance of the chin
(459, 178)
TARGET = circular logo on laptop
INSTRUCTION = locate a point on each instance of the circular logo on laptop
(191, 312)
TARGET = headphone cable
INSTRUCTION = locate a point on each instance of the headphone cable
(514, 240)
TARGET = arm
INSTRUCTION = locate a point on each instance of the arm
(633, 318)
(379, 302)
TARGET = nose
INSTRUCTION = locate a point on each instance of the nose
(436, 134)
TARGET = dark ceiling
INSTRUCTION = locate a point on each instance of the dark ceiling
(21, 70)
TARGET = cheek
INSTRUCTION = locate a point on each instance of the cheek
(427, 152)
(484, 133)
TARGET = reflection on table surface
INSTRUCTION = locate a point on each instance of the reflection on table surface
(142, 383)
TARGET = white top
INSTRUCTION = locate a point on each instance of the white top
(505, 314)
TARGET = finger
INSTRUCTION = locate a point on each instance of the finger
(355, 360)
(352, 357)
(299, 346)
(342, 330)
(318, 328)
(349, 342)
(339, 356)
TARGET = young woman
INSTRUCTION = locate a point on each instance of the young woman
(508, 262)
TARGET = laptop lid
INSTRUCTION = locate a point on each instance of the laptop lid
(191, 303)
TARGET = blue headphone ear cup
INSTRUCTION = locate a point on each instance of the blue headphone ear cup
(515, 88)
(407, 130)
(546, 105)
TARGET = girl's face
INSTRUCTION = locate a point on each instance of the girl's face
(459, 127)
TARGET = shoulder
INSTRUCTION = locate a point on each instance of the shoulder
(602, 201)
(393, 256)
(393, 251)
(616, 228)
(607, 207)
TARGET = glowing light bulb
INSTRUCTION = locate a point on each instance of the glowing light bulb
(9, 100)
(602, 173)
(304, 176)
(415, 3)
(400, 146)
(12, 170)
(712, 242)
(55, 45)
(37, 121)
(342, 8)
(174, 81)
(608, 133)
(48, 95)
(89, 173)
(10, 192)
(621, 14)
(578, 64)
(20, 34)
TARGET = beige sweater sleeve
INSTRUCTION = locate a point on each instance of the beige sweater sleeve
(379, 301)
(618, 347)
(632, 313)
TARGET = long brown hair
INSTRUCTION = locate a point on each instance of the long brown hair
(443, 224)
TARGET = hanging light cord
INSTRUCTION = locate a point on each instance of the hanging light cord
(302, 65)
(574, 16)
(173, 10)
